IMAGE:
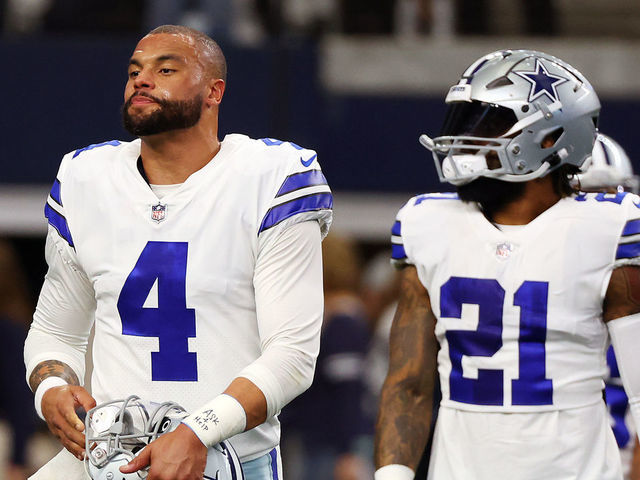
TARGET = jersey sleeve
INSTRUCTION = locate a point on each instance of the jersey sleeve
(64, 312)
(628, 249)
(302, 193)
(399, 257)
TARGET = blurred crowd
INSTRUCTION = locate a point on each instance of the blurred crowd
(251, 21)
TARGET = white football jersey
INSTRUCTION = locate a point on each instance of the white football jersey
(519, 311)
(175, 307)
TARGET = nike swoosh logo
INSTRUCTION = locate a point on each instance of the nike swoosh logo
(308, 162)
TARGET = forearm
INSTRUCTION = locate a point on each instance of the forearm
(52, 368)
(402, 428)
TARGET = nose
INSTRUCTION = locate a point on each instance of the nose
(144, 79)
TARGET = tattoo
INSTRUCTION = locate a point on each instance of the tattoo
(404, 418)
(52, 368)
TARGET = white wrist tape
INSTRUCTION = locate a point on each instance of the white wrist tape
(218, 420)
(45, 385)
(625, 338)
(394, 472)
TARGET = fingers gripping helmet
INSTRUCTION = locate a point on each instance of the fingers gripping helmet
(515, 115)
(609, 169)
(117, 431)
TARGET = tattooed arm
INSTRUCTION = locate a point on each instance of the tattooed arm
(623, 293)
(404, 416)
(56, 345)
(52, 368)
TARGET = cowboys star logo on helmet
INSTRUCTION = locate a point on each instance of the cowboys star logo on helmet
(117, 431)
(542, 82)
(515, 115)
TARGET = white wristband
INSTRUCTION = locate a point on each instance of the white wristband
(394, 472)
(45, 385)
(218, 420)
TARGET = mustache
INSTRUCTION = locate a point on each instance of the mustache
(159, 101)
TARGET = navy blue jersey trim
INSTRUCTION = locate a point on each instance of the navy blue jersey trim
(632, 227)
(628, 250)
(274, 464)
(297, 181)
(55, 192)
(397, 252)
(58, 222)
(307, 203)
(113, 143)
(396, 229)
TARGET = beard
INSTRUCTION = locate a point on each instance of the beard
(492, 194)
(171, 115)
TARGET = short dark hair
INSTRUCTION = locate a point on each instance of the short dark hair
(217, 64)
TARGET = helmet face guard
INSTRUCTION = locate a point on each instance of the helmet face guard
(117, 431)
(515, 116)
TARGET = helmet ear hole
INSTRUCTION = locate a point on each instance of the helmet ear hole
(552, 138)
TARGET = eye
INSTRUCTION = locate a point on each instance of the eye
(166, 71)
(133, 73)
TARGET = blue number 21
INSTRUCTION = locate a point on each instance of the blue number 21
(531, 387)
(171, 322)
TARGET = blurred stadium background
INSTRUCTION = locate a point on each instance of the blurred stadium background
(356, 80)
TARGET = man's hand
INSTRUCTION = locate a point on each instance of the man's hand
(178, 455)
(59, 406)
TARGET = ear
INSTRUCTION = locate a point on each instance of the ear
(215, 92)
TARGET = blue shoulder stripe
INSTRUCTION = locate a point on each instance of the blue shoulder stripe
(397, 252)
(628, 250)
(55, 192)
(300, 180)
(308, 203)
(113, 143)
(58, 222)
(632, 227)
(396, 229)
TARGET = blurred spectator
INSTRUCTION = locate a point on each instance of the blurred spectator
(366, 17)
(473, 17)
(326, 435)
(21, 17)
(93, 16)
(15, 397)
(215, 17)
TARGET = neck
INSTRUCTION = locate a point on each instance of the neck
(538, 196)
(171, 157)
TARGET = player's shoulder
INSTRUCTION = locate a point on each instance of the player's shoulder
(89, 160)
(271, 153)
(607, 205)
(430, 204)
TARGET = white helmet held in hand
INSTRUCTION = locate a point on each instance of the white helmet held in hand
(117, 431)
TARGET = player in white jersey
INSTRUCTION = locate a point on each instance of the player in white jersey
(200, 262)
(610, 171)
(511, 288)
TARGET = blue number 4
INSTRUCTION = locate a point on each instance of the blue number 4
(531, 387)
(171, 322)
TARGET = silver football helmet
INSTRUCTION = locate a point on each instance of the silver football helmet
(609, 170)
(117, 431)
(515, 115)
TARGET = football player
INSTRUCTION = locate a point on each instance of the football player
(610, 171)
(197, 261)
(519, 280)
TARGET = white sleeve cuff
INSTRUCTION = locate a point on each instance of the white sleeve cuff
(625, 338)
(394, 472)
(45, 385)
(221, 418)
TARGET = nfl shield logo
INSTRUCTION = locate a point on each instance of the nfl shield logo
(158, 212)
(504, 250)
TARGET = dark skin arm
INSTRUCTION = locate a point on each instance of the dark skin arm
(623, 293)
(404, 417)
(59, 404)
